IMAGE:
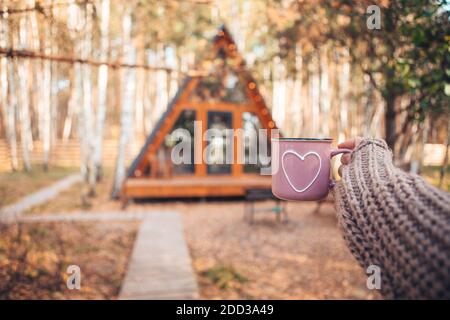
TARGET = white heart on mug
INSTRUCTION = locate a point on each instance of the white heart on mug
(310, 153)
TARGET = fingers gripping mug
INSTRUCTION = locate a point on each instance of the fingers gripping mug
(301, 168)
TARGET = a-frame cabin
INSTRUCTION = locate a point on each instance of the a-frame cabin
(224, 97)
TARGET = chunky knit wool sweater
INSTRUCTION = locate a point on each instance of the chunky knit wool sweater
(397, 222)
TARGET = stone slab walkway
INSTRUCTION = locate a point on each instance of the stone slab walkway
(160, 266)
(13, 211)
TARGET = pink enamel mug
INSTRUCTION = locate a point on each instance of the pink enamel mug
(301, 168)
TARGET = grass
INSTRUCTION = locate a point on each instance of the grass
(15, 185)
(224, 277)
(76, 199)
(431, 175)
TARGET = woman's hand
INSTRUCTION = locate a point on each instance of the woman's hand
(349, 144)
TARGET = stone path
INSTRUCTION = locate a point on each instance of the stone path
(12, 212)
(160, 266)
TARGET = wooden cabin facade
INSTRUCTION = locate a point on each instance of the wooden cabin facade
(225, 96)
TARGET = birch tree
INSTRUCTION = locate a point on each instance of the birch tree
(75, 24)
(72, 103)
(44, 103)
(279, 92)
(324, 91)
(71, 108)
(87, 109)
(297, 101)
(140, 88)
(152, 112)
(8, 102)
(128, 92)
(102, 88)
(162, 91)
(343, 95)
(314, 86)
(444, 166)
(23, 94)
(53, 49)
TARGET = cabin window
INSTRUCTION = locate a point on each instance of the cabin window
(216, 151)
(166, 165)
(251, 126)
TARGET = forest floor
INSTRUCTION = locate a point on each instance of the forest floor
(34, 256)
(34, 259)
(15, 185)
(305, 258)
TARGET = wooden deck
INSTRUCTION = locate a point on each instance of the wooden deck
(160, 266)
(213, 186)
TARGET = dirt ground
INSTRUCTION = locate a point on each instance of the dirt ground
(305, 258)
(34, 259)
(15, 185)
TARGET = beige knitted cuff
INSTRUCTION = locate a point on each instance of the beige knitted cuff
(367, 142)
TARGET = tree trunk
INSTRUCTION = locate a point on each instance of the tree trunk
(162, 91)
(324, 92)
(344, 96)
(102, 88)
(128, 92)
(149, 97)
(314, 83)
(152, 111)
(8, 102)
(23, 94)
(279, 93)
(297, 102)
(71, 108)
(140, 89)
(389, 121)
(54, 102)
(306, 101)
(75, 24)
(87, 109)
(36, 94)
(444, 166)
(46, 100)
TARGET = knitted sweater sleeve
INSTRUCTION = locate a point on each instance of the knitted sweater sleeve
(395, 221)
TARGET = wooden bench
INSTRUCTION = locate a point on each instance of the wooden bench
(253, 195)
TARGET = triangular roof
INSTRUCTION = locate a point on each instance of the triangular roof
(222, 40)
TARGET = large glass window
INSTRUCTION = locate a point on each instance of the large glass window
(251, 126)
(166, 167)
(216, 151)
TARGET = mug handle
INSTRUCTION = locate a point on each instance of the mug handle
(335, 152)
